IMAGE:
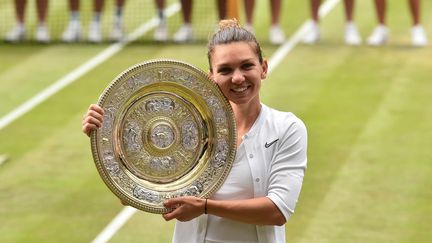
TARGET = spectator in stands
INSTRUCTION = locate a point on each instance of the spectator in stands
(351, 36)
(73, 31)
(276, 34)
(161, 31)
(185, 33)
(380, 34)
(18, 33)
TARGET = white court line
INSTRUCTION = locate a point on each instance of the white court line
(3, 159)
(121, 218)
(83, 69)
(115, 224)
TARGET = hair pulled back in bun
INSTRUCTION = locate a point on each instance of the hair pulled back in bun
(229, 23)
(230, 31)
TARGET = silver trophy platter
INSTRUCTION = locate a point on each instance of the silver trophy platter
(168, 131)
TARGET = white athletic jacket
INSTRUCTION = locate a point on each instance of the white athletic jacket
(276, 149)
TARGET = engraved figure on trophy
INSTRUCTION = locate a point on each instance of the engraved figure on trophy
(162, 136)
(131, 136)
(193, 190)
(183, 157)
(163, 164)
(220, 153)
(217, 111)
(134, 82)
(109, 117)
(162, 74)
(110, 163)
(143, 79)
(179, 76)
(146, 195)
(160, 105)
(189, 135)
(181, 112)
(120, 95)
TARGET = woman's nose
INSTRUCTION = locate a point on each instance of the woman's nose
(238, 77)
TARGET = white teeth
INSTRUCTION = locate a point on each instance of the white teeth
(240, 89)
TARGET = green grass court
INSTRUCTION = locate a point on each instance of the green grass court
(368, 112)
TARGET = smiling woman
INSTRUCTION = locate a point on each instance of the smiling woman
(265, 181)
(263, 186)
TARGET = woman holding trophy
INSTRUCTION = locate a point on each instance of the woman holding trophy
(261, 190)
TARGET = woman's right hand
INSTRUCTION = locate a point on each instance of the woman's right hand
(92, 120)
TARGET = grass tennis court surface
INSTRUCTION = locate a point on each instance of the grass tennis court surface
(367, 111)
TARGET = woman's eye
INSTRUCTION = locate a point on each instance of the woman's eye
(224, 70)
(247, 66)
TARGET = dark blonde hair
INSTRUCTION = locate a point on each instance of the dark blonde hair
(231, 31)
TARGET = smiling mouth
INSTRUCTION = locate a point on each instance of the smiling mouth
(239, 89)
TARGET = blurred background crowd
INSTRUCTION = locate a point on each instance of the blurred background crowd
(73, 30)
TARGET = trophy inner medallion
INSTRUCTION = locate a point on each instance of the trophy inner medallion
(161, 136)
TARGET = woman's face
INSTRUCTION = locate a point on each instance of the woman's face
(238, 72)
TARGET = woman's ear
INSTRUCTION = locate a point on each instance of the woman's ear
(264, 66)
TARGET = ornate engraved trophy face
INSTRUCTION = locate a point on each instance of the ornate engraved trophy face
(167, 131)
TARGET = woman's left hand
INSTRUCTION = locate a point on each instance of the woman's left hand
(184, 208)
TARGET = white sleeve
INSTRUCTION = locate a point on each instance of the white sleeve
(288, 167)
